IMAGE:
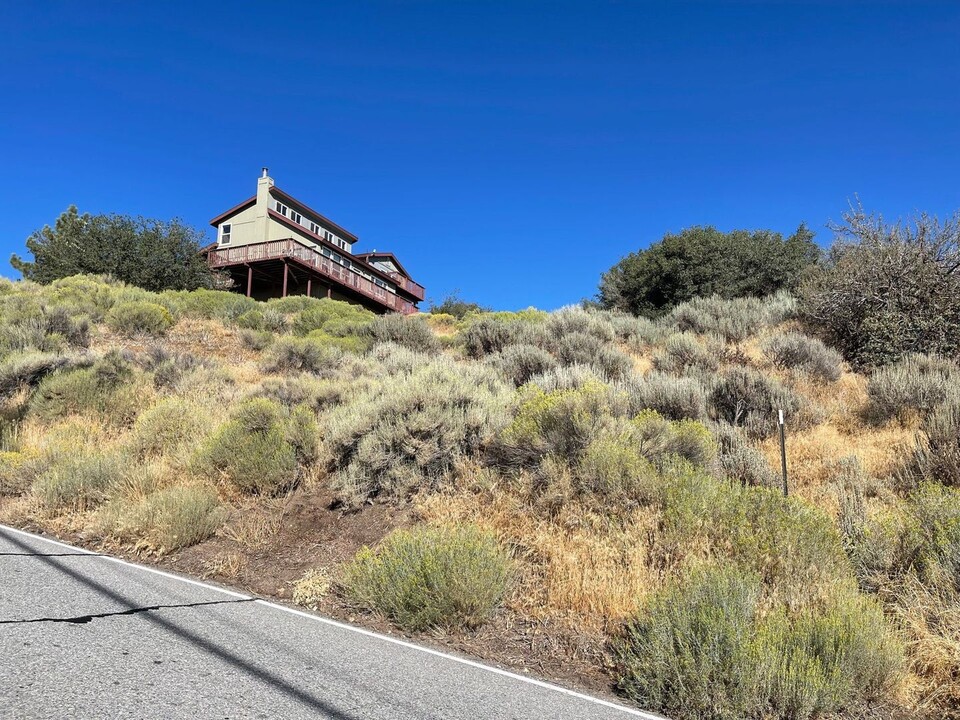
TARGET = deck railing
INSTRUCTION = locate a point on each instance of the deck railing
(294, 250)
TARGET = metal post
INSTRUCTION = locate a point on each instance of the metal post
(783, 454)
(249, 280)
(284, 279)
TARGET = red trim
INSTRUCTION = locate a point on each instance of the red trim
(235, 209)
(310, 211)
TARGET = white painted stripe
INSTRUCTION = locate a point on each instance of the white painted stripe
(352, 628)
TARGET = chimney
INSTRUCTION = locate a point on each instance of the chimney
(260, 225)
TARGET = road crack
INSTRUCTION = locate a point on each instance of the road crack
(83, 619)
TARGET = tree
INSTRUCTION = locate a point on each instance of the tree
(887, 290)
(454, 305)
(152, 254)
(703, 261)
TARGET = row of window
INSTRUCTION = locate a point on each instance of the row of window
(356, 267)
(313, 227)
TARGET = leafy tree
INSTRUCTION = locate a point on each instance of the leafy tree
(152, 254)
(454, 305)
(887, 290)
(703, 261)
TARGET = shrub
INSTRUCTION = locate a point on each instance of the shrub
(108, 388)
(406, 435)
(566, 378)
(486, 335)
(78, 481)
(661, 440)
(938, 450)
(319, 314)
(519, 363)
(250, 320)
(411, 332)
(218, 304)
(701, 649)
(913, 384)
(166, 520)
(676, 398)
(688, 653)
(28, 369)
(734, 319)
(613, 470)
(746, 398)
(799, 352)
(310, 590)
(431, 577)
(740, 461)
(302, 355)
(167, 427)
(796, 549)
(579, 348)
(256, 340)
(139, 318)
(254, 450)
(887, 290)
(348, 343)
(683, 352)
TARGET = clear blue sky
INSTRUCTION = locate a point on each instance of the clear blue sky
(509, 150)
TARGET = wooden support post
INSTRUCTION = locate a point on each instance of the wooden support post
(284, 279)
(249, 280)
(328, 291)
(309, 286)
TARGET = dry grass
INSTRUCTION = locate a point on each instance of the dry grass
(577, 567)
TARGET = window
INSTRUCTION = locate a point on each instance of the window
(282, 209)
(314, 228)
(296, 217)
(225, 234)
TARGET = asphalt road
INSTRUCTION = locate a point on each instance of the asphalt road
(89, 636)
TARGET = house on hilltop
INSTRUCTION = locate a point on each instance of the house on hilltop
(273, 245)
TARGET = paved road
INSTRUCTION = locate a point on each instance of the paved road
(88, 636)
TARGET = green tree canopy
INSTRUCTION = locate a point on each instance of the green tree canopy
(703, 261)
(152, 254)
(454, 305)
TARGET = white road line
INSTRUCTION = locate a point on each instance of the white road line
(352, 628)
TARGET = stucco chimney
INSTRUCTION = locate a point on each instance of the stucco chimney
(260, 225)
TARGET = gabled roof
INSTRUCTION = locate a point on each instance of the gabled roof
(342, 232)
(367, 257)
(234, 210)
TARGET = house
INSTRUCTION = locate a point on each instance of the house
(273, 245)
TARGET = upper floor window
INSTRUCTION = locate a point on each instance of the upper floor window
(296, 217)
(282, 209)
(314, 228)
(225, 233)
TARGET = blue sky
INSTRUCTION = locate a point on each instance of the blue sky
(511, 151)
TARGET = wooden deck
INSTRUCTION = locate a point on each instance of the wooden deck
(302, 256)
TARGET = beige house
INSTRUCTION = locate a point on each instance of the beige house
(273, 245)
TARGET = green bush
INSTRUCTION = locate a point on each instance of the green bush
(322, 313)
(302, 355)
(250, 320)
(78, 481)
(915, 384)
(614, 471)
(573, 319)
(701, 648)
(580, 348)
(212, 304)
(109, 389)
(27, 369)
(486, 335)
(431, 577)
(799, 352)
(407, 434)
(676, 398)
(734, 319)
(165, 520)
(688, 654)
(661, 440)
(139, 318)
(519, 363)
(684, 351)
(167, 427)
(938, 449)
(740, 461)
(256, 340)
(749, 399)
(260, 449)
(355, 344)
(411, 332)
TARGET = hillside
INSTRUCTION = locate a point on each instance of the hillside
(586, 495)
